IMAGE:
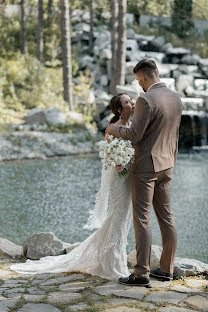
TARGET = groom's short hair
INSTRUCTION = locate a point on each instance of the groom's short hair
(146, 66)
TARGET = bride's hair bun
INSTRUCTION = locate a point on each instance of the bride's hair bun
(115, 104)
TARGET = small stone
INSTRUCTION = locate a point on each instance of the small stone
(183, 289)
(108, 288)
(174, 309)
(165, 296)
(59, 297)
(133, 292)
(196, 283)
(40, 307)
(197, 302)
(34, 298)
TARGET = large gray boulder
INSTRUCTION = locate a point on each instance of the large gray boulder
(129, 19)
(188, 267)
(10, 249)
(82, 27)
(51, 116)
(130, 33)
(156, 44)
(170, 83)
(183, 266)
(55, 117)
(131, 45)
(183, 82)
(102, 41)
(190, 59)
(42, 245)
(154, 261)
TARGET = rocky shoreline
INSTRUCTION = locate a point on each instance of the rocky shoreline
(47, 244)
(26, 144)
(76, 291)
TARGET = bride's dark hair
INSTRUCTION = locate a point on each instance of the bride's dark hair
(115, 104)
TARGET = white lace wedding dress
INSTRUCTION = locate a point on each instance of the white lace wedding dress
(103, 253)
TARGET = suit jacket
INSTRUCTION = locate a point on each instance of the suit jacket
(155, 129)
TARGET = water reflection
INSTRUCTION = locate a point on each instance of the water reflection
(56, 194)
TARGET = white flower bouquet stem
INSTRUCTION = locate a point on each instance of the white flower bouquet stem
(117, 152)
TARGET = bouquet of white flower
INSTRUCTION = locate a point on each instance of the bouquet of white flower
(117, 152)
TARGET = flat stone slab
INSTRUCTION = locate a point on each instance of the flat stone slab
(75, 286)
(166, 297)
(133, 292)
(6, 304)
(175, 309)
(108, 288)
(148, 305)
(34, 298)
(159, 284)
(38, 307)
(35, 291)
(79, 307)
(122, 309)
(184, 289)
(64, 279)
(197, 302)
(60, 297)
(45, 276)
(14, 291)
(196, 283)
(117, 301)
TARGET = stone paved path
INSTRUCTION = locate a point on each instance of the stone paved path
(78, 292)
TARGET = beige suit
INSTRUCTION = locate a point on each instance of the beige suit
(154, 134)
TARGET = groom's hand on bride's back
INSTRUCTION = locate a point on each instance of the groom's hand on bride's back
(111, 129)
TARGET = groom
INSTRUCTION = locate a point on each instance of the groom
(154, 134)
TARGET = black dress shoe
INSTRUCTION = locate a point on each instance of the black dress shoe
(163, 276)
(132, 280)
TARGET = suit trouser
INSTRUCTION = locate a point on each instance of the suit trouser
(147, 189)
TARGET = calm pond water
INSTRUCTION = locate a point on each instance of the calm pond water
(56, 194)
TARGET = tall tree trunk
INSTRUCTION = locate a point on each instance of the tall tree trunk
(23, 26)
(121, 50)
(50, 5)
(91, 26)
(40, 30)
(66, 53)
(114, 38)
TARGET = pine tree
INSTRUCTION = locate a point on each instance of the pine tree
(182, 23)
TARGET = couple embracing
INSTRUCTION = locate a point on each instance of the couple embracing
(154, 134)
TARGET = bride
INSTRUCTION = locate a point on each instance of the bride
(103, 253)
